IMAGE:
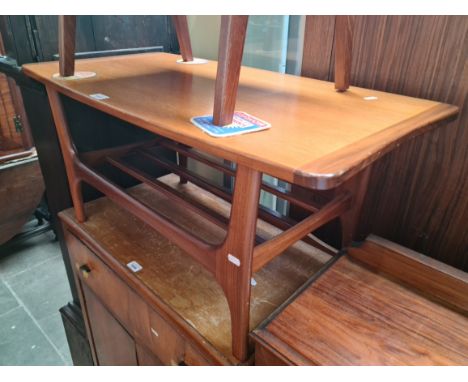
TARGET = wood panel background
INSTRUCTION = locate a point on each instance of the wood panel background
(418, 194)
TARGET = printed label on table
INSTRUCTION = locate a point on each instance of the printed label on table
(242, 123)
(134, 266)
(99, 96)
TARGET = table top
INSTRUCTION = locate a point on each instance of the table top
(318, 138)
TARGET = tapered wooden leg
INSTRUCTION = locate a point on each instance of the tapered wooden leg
(183, 36)
(68, 152)
(66, 36)
(231, 47)
(234, 259)
(343, 51)
(357, 186)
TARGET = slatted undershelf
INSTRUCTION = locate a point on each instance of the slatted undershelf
(125, 159)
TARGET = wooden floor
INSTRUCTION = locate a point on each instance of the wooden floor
(353, 316)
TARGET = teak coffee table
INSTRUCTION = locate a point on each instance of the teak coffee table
(320, 139)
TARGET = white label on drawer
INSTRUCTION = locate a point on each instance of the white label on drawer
(134, 266)
(234, 260)
(99, 96)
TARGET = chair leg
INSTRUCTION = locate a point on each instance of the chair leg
(343, 51)
(183, 36)
(234, 259)
(66, 36)
(231, 47)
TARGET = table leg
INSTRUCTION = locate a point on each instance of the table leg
(234, 258)
(68, 153)
(357, 186)
(231, 47)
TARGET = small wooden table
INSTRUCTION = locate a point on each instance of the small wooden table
(320, 140)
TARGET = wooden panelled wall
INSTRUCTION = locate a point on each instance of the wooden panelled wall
(418, 194)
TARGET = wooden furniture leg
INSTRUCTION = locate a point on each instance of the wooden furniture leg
(234, 258)
(68, 152)
(343, 51)
(231, 47)
(66, 36)
(357, 186)
(183, 36)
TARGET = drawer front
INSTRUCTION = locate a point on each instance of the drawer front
(142, 322)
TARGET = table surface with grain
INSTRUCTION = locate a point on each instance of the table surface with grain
(318, 137)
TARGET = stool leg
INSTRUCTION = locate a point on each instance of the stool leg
(66, 37)
(183, 36)
(234, 259)
(343, 51)
(231, 47)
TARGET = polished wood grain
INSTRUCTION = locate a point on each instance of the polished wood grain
(195, 297)
(114, 346)
(343, 51)
(436, 279)
(422, 206)
(183, 37)
(66, 45)
(231, 48)
(353, 316)
(320, 135)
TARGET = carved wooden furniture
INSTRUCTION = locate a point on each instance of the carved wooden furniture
(173, 311)
(380, 305)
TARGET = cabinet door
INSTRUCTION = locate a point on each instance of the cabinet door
(113, 345)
